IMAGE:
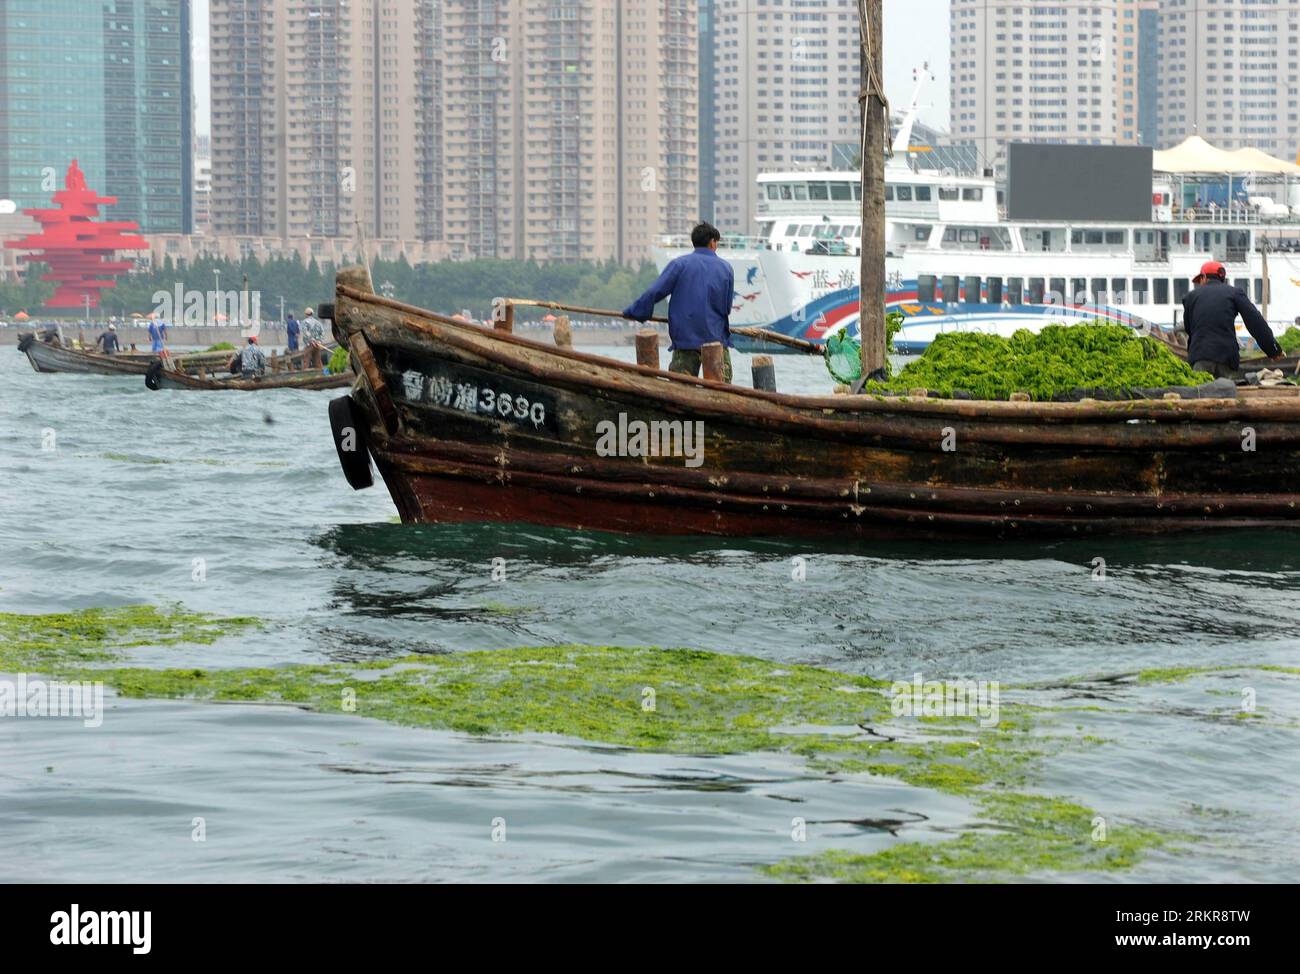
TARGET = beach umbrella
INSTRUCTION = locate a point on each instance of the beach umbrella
(549, 318)
(21, 316)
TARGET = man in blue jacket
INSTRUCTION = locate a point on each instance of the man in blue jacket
(1209, 315)
(701, 286)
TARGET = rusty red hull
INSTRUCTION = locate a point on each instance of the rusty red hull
(466, 424)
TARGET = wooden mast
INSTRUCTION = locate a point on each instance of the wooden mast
(875, 133)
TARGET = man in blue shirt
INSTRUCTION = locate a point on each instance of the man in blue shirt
(157, 335)
(702, 287)
(291, 332)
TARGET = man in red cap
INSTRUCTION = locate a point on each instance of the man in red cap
(252, 360)
(1209, 315)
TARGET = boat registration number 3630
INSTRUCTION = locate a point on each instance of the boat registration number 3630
(479, 394)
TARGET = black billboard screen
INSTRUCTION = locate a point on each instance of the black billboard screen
(1079, 182)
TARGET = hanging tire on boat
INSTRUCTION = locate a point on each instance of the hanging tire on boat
(153, 378)
(350, 442)
(25, 341)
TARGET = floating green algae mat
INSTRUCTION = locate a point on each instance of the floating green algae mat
(671, 700)
(1058, 360)
(1034, 834)
(42, 642)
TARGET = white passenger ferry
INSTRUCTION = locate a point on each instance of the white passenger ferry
(955, 263)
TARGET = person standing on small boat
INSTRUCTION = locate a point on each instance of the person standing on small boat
(1209, 314)
(701, 286)
(291, 333)
(108, 342)
(313, 336)
(252, 360)
(157, 335)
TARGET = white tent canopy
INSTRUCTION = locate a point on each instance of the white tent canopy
(1195, 155)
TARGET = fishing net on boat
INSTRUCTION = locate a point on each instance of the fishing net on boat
(843, 358)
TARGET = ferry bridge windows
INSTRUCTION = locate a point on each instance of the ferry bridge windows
(800, 191)
(1036, 290)
(1243, 283)
(972, 194)
(971, 287)
(805, 230)
(922, 233)
(950, 286)
(1015, 290)
(903, 194)
(1182, 287)
(846, 191)
(1259, 290)
(923, 194)
(1119, 290)
(925, 288)
(949, 194)
(1098, 290)
(792, 230)
(818, 191)
(1056, 290)
(1139, 290)
(889, 194)
(995, 290)
(1114, 237)
(1078, 290)
(1161, 291)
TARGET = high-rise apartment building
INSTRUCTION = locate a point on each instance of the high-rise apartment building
(547, 129)
(786, 95)
(570, 127)
(708, 83)
(1044, 72)
(105, 82)
(325, 118)
(1149, 73)
(1230, 72)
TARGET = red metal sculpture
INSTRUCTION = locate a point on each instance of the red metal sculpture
(78, 250)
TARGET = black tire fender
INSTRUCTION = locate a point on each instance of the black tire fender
(25, 341)
(350, 442)
(152, 378)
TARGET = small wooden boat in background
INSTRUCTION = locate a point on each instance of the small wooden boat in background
(468, 423)
(49, 357)
(160, 378)
(1176, 342)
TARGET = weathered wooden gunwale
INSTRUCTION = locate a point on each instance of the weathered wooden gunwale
(779, 464)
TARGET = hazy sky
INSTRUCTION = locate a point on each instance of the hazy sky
(916, 31)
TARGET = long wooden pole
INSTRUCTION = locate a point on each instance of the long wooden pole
(875, 133)
(776, 338)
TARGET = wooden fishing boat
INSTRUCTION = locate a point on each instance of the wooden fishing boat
(48, 357)
(467, 423)
(160, 378)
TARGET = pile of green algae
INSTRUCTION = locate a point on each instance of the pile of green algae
(1059, 360)
(703, 703)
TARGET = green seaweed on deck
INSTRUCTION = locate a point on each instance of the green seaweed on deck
(1058, 360)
